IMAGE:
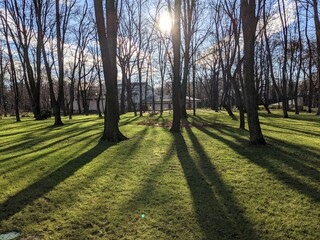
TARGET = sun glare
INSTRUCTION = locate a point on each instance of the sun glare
(165, 22)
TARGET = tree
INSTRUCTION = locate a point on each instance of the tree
(162, 64)
(317, 25)
(164, 54)
(13, 74)
(189, 7)
(97, 64)
(176, 86)
(62, 20)
(107, 34)
(283, 18)
(310, 55)
(299, 49)
(82, 33)
(249, 24)
(3, 69)
(126, 51)
(144, 33)
(230, 48)
(270, 61)
(22, 31)
(226, 46)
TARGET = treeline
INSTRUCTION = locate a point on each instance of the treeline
(227, 53)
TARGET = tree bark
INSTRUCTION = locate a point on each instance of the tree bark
(3, 69)
(108, 44)
(249, 23)
(58, 102)
(317, 25)
(300, 49)
(100, 93)
(123, 89)
(310, 54)
(176, 40)
(189, 8)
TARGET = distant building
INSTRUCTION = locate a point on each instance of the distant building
(167, 99)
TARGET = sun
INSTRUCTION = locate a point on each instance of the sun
(165, 22)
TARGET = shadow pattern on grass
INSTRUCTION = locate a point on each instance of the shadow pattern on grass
(31, 144)
(274, 159)
(84, 181)
(127, 120)
(295, 130)
(218, 213)
(36, 190)
(31, 137)
(28, 161)
(144, 196)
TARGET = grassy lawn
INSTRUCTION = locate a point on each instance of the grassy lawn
(205, 183)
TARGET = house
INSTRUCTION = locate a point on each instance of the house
(167, 102)
(167, 99)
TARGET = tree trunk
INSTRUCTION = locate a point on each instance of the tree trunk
(283, 18)
(215, 92)
(2, 73)
(194, 88)
(71, 92)
(123, 90)
(79, 97)
(300, 49)
(189, 8)
(161, 95)
(99, 95)
(108, 44)
(239, 101)
(317, 25)
(176, 40)
(152, 89)
(310, 95)
(162, 58)
(249, 23)
(57, 117)
(146, 91)
(140, 91)
(64, 106)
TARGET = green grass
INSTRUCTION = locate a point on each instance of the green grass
(205, 183)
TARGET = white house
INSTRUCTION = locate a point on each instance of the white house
(167, 99)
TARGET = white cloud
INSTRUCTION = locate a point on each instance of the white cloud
(274, 24)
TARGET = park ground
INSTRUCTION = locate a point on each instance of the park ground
(205, 183)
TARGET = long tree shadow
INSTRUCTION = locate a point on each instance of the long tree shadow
(30, 146)
(12, 131)
(31, 137)
(126, 120)
(199, 121)
(218, 213)
(293, 155)
(272, 158)
(292, 129)
(98, 170)
(305, 155)
(144, 196)
(26, 196)
(295, 152)
(28, 161)
(308, 117)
